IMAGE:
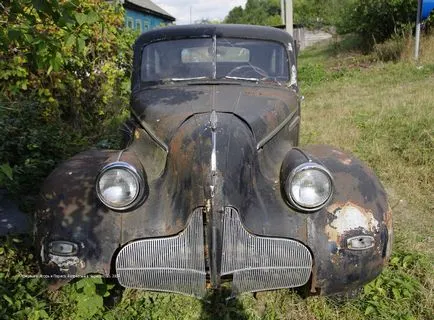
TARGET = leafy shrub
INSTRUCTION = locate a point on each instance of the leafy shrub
(87, 297)
(399, 285)
(24, 295)
(64, 76)
(376, 20)
(20, 297)
(33, 145)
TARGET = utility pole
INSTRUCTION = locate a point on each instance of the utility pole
(416, 49)
(287, 15)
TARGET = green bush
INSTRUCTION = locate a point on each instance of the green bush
(376, 20)
(21, 297)
(64, 77)
(396, 293)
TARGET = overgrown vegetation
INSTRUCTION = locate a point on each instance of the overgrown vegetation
(376, 21)
(381, 25)
(383, 113)
(64, 72)
(64, 78)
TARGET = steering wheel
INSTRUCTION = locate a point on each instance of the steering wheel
(256, 69)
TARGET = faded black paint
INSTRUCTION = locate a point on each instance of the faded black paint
(170, 139)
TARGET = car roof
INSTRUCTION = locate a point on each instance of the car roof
(209, 30)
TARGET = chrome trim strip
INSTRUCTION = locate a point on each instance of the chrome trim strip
(275, 131)
(151, 133)
(294, 123)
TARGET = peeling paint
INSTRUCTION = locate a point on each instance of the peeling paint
(349, 217)
(64, 263)
(342, 157)
(293, 76)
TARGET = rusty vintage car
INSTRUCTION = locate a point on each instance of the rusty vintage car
(211, 186)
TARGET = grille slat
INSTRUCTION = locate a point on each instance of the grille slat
(177, 264)
(173, 264)
(261, 263)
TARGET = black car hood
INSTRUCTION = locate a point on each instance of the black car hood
(163, 109)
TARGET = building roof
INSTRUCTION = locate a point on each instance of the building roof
(149, 6)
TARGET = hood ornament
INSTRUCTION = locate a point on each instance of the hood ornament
(213, 120)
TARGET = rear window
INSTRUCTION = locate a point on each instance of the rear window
(224, 54)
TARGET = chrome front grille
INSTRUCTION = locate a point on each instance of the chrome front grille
(261, 263)
(174, 264)
(177, 264)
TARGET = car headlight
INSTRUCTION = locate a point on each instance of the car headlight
(119, 185)
(309, 186)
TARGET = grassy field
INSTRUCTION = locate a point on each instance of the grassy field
(383, 113)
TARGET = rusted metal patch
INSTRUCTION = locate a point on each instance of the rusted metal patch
(293, 76)
(347, 217)
(342, 157)
(66, 262)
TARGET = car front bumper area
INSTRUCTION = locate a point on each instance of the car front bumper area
(179, 263)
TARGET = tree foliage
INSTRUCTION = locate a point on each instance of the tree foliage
(377, 20)
(260, 12)
(310, 13)
(317, 13)
(64, 74)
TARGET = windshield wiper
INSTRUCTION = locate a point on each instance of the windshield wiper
(188, 79)
(242, 78)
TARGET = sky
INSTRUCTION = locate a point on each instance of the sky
(208, 9)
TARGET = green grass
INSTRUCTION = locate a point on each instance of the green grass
(383, 113)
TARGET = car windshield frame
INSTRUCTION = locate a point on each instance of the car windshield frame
(214, 58)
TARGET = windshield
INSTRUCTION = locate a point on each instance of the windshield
(211, 58)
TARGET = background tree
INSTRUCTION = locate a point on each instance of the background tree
(318, 13)
(311, 13)
(260, 12)
(377, 20)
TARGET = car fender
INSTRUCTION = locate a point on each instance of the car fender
(358, 211)
(69, 212)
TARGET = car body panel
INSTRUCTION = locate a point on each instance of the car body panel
(212, 150)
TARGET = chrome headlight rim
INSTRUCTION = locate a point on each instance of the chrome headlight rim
(136, 174)
(303, 167)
